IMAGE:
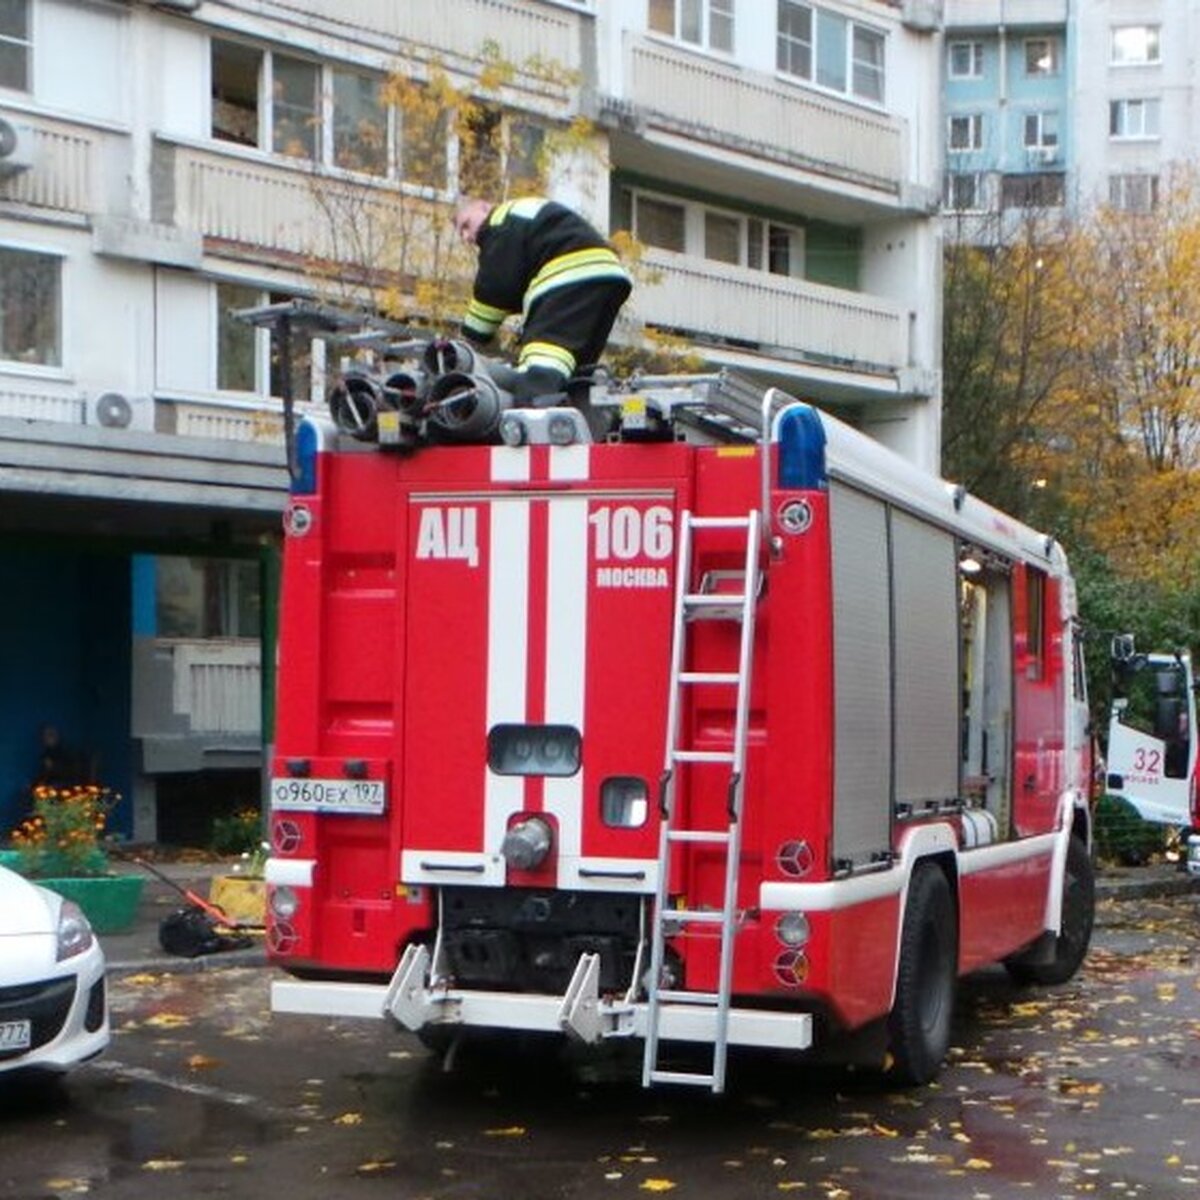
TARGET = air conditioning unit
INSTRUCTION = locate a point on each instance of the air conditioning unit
(1042, 156)
(17, 148)
(115, 410)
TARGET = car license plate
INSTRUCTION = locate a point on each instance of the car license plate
(364, 796)
(15, 1035)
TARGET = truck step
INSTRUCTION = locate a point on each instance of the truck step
(702, 756)
(720, 522)
(686, 1077)
(692, 916)
(715, 837)
(715, 599)
(701, 999)
(729, 677)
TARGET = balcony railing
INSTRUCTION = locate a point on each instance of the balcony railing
(295, 210)
(984, 14)
(520, 31)
(217, 685)
(805, 319)
(725, 105)
(64, 174)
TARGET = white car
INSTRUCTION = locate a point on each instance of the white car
(53, 1004)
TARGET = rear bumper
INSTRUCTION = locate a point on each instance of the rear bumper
(580, 1012)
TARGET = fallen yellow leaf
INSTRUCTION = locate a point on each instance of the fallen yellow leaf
(506, 1131)
(162, 1164)
(348, 1118)
(201, 1062)
(656, 1185)
(167, 1020)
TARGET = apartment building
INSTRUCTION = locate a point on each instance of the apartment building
(163, 164)
(1059, 105)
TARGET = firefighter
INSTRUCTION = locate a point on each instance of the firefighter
(543, 260)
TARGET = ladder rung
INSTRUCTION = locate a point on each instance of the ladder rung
(691, 916)
(703, 756)
(715, 599)
(720, 522)
(717, 837)
(681, 1077)
(698, 998)
(730, 677)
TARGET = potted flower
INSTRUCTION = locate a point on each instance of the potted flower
(61, 846)
(241, 893)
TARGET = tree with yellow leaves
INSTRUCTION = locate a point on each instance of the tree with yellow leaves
(1121, 436)
(391, 248)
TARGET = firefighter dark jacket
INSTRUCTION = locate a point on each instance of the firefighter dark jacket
(527, 248)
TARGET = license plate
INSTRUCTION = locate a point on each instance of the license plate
(367, 796)
(15, 1035)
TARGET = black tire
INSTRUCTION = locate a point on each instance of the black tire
(1079, 912)
(926, 979)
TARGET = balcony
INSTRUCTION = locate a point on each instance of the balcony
(735, 109)
(989, 14)
(64, 174)
(287, 208)
(520, 31)
(820, 324)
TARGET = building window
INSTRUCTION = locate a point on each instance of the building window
(794, 41)
(964, 191)
(295, 107)
(717, 235)
(1133, 193)
(207, 597)
(965, 60)
(248, 358)
(236, 76)
(30, 307)
(1041, 130)
(707, 23)
(16, 44)
(360, 123)
(867, 64)
(1041, 56)
(1135, 45)
(966, 133)
(1045, 190)
(237, 342)
(424, 138)
(722, 238)
(830, 50)
(1133, 118)
(660, 223)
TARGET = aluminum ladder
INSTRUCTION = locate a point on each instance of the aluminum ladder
(691, 606)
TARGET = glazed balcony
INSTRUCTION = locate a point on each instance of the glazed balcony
(729, 108)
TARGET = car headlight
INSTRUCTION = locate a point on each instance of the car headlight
(74, 933)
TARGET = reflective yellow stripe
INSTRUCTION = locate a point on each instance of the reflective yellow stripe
(546, 354)
(526, 207)
(483, 318)
(597, 262)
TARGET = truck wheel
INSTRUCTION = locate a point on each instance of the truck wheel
(1079, 911)
(919, 1024)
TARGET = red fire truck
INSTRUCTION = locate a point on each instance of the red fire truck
(688, 715)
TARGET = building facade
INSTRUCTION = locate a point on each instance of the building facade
(162, 165)
(1056, 106)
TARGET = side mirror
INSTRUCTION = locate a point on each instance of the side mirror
(1122, 647)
